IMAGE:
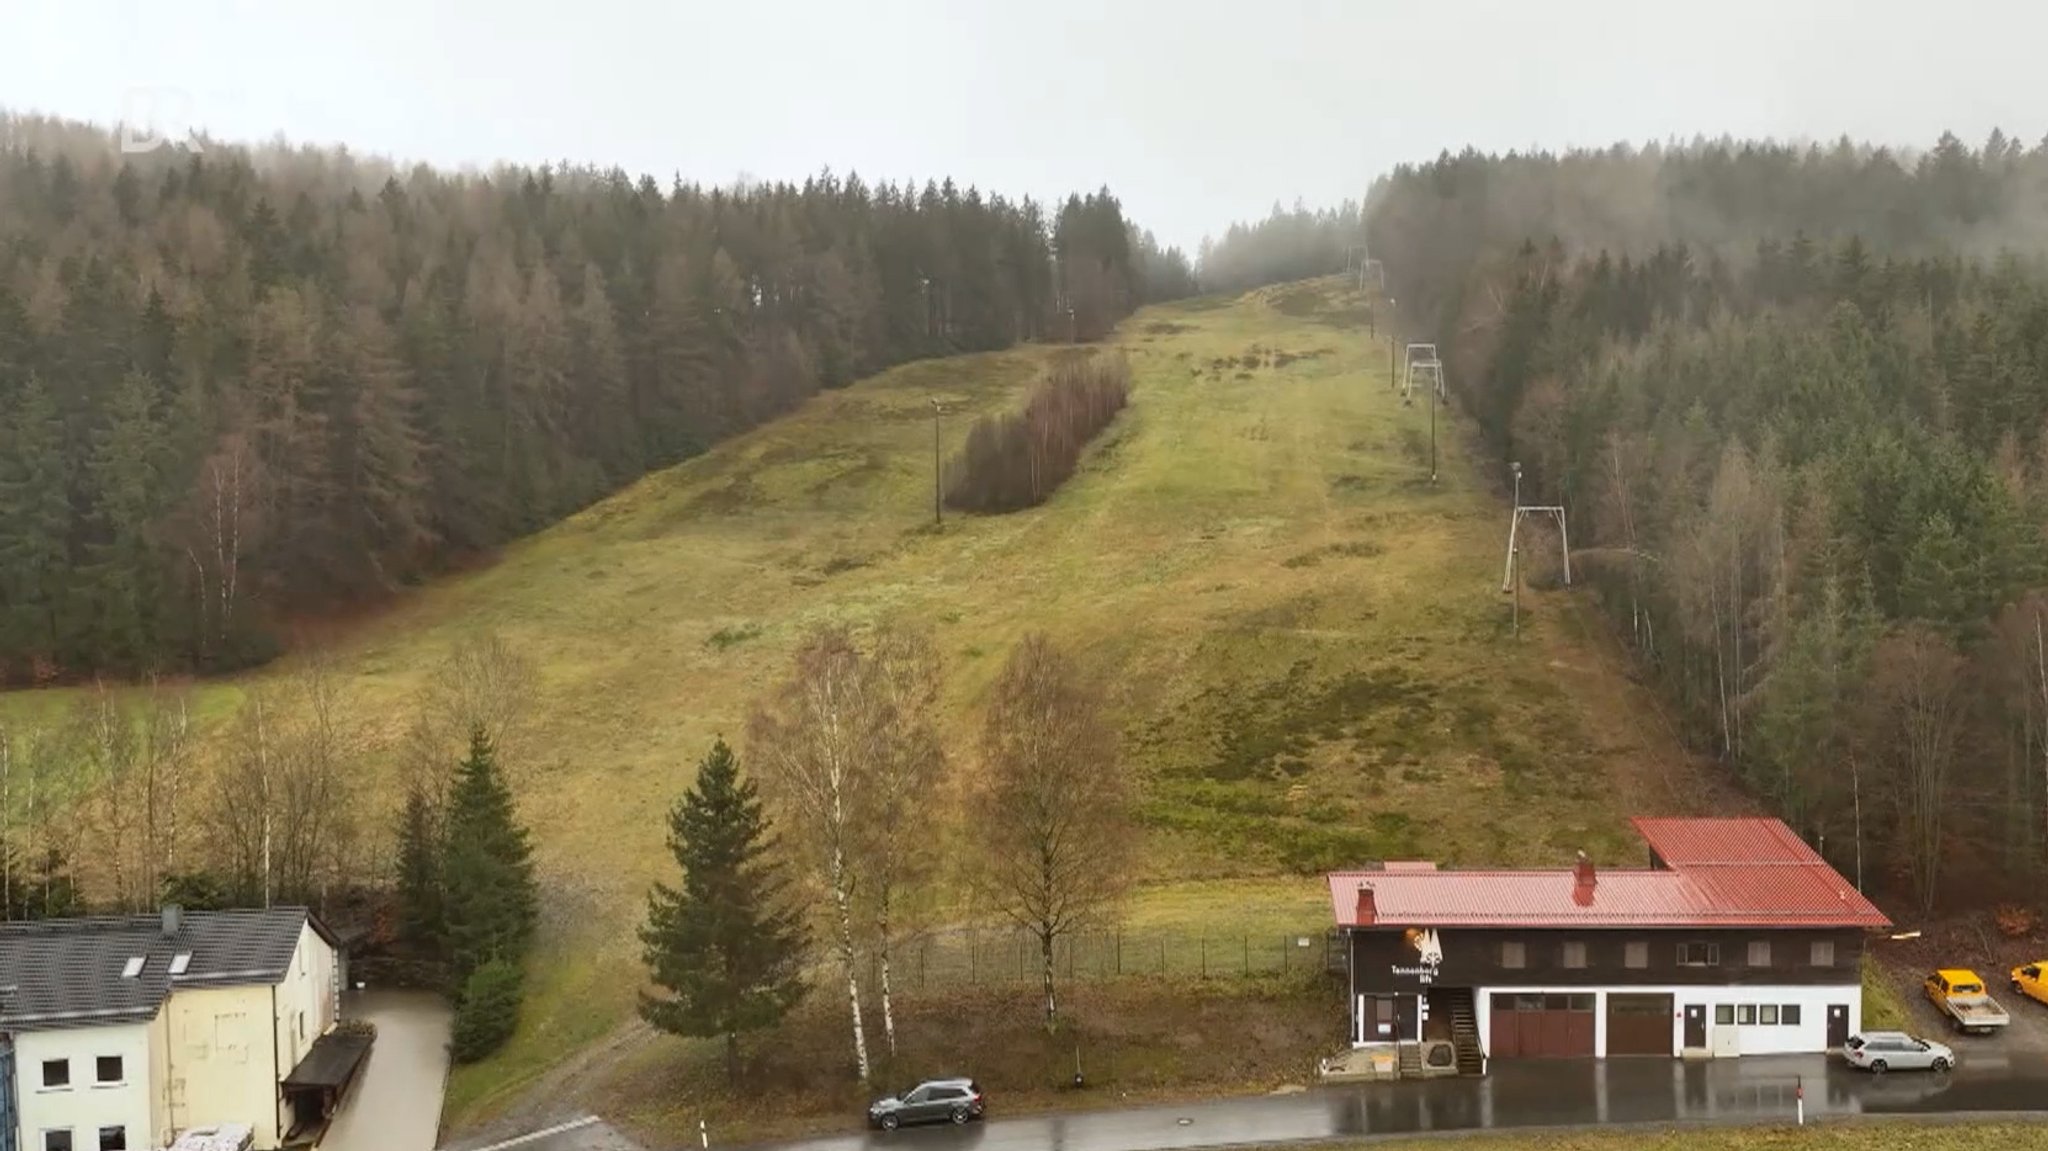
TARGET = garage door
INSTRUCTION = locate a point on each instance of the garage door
(1541, 1026)
(1639, 1025)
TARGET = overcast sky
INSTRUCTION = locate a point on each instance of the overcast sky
(1195, 112)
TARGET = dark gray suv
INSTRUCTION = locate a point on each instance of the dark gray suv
(933, 1101)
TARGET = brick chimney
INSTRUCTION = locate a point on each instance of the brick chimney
(1368, 911)
(1583, 881)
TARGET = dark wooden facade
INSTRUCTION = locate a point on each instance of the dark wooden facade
(1383, 960)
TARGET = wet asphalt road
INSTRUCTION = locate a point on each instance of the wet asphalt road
(396, 1101)
(1524, 1094)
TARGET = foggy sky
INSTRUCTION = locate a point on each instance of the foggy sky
(1195, 112)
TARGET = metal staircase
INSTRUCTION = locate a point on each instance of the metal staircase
(1465, 1031)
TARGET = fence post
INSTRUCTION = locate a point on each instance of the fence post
(1162, 955)
(1205, 955)
(973, 958)
(923, 953)
(1247, 953)
(1119, 949)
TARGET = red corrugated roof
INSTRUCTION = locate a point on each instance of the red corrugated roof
(1709, 884)
(1706, 842)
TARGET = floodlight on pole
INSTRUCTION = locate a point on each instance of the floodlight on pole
(938, 477)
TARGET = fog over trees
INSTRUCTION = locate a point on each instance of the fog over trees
(1796, 402)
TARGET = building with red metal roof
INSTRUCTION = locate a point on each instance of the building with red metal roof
(1736, 938)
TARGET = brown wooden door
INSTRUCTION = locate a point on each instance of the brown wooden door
(1542, 1026)
(1838, 1024)
(1501, 1032)
(1639, 1025)
(1695, 1026)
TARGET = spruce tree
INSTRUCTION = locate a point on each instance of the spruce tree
(488, 887)
(421, 922)
(726, 944)
(486, 1011)
(35, 523)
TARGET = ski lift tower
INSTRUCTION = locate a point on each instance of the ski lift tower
(1507, 576)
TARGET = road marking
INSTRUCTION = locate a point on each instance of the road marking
(543, 1133)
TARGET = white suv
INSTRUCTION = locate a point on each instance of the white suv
(1896, 1051)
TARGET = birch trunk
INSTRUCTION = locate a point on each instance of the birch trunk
(1052, 1006)
(844, 903)
(888, 1005)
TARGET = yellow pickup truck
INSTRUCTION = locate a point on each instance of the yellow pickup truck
(1961, 996)
(2032, 980)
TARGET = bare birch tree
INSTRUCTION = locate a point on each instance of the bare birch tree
(1053, 812)
(283, 814)
(813, 745)
(908, 765)
(483, 681)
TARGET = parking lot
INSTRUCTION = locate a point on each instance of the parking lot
(2027, 1035)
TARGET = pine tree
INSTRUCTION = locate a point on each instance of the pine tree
(35, 523)
(126, 490)
(421, 917)
(487, 1010)
(726, 945)
(488, 887)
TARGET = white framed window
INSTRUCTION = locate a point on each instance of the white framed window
(1767, 1014)
(1821, 953)
(1699, 955)
(1788, 1015)
(1513, 955)
(1745, 1014)
(57, 1140)
(1574, 955)
(109, 1069)
(1759, 953)
(57, 1076)
(1636, 954)
(113, 1139)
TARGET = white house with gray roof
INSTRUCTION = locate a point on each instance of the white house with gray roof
(124, 1031)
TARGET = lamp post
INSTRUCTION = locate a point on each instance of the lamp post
(1432, 430)
(1392, 330)
(938, 485)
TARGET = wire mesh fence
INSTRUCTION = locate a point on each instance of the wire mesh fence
(969, 956)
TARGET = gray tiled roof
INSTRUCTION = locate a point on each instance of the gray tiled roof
(59, 973)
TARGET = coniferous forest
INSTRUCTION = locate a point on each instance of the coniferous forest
(244, 387)
(1796, 404)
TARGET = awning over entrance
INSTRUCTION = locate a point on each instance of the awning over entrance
(331, 1062)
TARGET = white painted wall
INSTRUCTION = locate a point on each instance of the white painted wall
(85, 1106)
(1810, 1035)
(227, 1048)
(305, 1000)
(222, 1061)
